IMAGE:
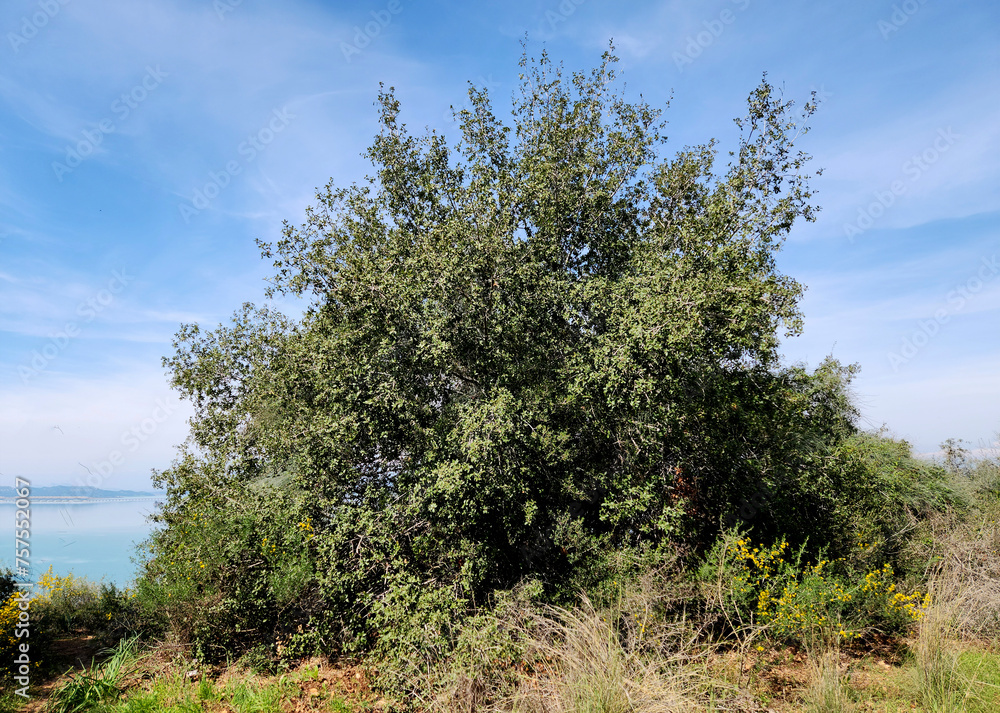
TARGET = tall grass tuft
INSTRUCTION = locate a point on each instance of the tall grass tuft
(940, 684)
(582, 660)
(826, 692)
(90, 688)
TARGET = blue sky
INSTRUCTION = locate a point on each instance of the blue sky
(144, 145)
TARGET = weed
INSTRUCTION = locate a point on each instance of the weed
(582, 659)
(87, 689)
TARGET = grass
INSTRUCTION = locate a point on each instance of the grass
(941, 685)
(87, 689)
(236, 690)
(640, 651)
(583, 661)
(621, 660)
(177, 695)
(982, 667)
(130, 682)
(826, 692)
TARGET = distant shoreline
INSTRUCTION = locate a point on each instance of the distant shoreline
(78, 500)
(72, 494)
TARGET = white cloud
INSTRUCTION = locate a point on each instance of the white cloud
(942, 154)
(53, 426)
(938, 401)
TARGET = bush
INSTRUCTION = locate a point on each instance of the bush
(523, 355)
(881, 492)
(65, 604)
(229, 580)
(8, 619)
(7, 585)
(773, 588)
(985, 478)
(8, 641)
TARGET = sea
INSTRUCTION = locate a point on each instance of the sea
(96, 540)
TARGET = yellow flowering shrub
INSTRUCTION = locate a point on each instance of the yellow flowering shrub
(10, 611)
(8, 619)
(226, 582)
(61, 603)
(799, 601)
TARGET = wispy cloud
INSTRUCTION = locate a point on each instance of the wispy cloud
(224, 75)
(73, 421)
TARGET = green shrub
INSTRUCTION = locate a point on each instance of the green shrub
(882, 490)
(985, 478)
(523, 356)
(7, 585)
(773, 588)
(229, 580)
(63, 604)
(66, 604)
(259, 659)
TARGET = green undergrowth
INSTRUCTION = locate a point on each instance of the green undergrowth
(128, 682)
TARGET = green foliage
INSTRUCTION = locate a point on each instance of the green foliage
(172, 691)
(61, 605)
(876, 489)
(443, 645)
(88, 689)
(259, 659)
(8, 620)
(543, 345)
(68, 604)
(7, 585)
(984, 476)
(956, 456)
(228, 578)
(9, 701)
(773, 587)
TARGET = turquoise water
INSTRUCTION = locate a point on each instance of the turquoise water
(93, 540)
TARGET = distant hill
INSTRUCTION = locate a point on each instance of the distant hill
(76, 491)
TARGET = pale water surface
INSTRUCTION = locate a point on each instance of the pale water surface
(95, 540)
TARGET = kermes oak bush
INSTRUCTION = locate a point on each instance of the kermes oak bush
(545, 344)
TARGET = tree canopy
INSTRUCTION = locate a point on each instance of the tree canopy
(545, 343)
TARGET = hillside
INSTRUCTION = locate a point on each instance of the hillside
(75, 491)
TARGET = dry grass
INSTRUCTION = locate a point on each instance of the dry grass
(964, 607)
(940, 684)
(589, 661)
(963, 558)
(826, 692)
